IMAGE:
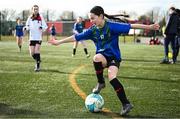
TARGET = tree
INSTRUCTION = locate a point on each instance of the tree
(67, 15)
(49, 15)
(8, 15)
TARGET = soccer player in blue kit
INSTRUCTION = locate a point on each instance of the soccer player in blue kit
(19, 33)
(78, 28)
(105, 34)
(53, 31)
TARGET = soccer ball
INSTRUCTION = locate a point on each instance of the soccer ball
(94, 102)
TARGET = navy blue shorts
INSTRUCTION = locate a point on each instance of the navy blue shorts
(53, 34)
(111, 61)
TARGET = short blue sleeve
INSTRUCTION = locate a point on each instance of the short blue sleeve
(87, 34)
(119, 28)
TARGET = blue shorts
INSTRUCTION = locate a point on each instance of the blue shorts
(111, 61)
(19, 35)
(53, 33)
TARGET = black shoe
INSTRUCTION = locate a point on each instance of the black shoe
(88, 55)
(98, 88)
(126, 109)
(165, 61)
(37, 68)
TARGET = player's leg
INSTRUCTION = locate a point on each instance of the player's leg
(178, 46)
(99, 62)
(166, 50)
(38, 56)
(18, 40)
(53, 36)
(32, 50)
(173, 47)
(74, 48)
(119, 89)
(85, 48)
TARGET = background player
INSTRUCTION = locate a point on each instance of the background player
(19, 33)
(53, 31)
(78, 28)
(36, 25)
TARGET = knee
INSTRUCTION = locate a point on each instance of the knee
(112, 73)
(111, 76)
(97, 58)
(31, 53)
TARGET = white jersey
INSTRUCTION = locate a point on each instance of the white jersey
(34, 28)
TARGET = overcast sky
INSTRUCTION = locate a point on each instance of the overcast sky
(81, 7)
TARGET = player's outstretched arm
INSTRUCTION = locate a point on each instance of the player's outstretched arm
(142, 26)
(65, 40)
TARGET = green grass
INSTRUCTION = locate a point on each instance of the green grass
(152, 88)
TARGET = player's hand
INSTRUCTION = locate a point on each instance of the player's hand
(155, 26)
(24, 29)
(53, 42)
(40, 28)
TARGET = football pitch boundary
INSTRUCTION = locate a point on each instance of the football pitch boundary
(76, 88)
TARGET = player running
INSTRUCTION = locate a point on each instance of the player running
(36, 25)
(19, 33)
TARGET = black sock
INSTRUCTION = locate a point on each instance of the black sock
(19, 46)
(38, 60)
(74, 51)
(85, 50)
(99, 71)
(38, 57)
(34, 56)
(119, 90)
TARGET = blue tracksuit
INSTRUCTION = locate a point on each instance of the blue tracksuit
(106, 39)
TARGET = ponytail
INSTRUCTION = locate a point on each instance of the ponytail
(114, 18)
(98, 10)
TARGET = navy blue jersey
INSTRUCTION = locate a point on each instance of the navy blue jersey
(106, 39)
(53, 31)
(78, 27)
(19, 30)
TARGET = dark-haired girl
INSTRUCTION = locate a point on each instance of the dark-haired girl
(105, 35)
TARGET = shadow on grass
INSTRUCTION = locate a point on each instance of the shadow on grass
(55, 71)
(139, 116)
(8, 111)
(147, 79)
(119, 77)
(141, 60)
(150, 60)
(117, 115)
